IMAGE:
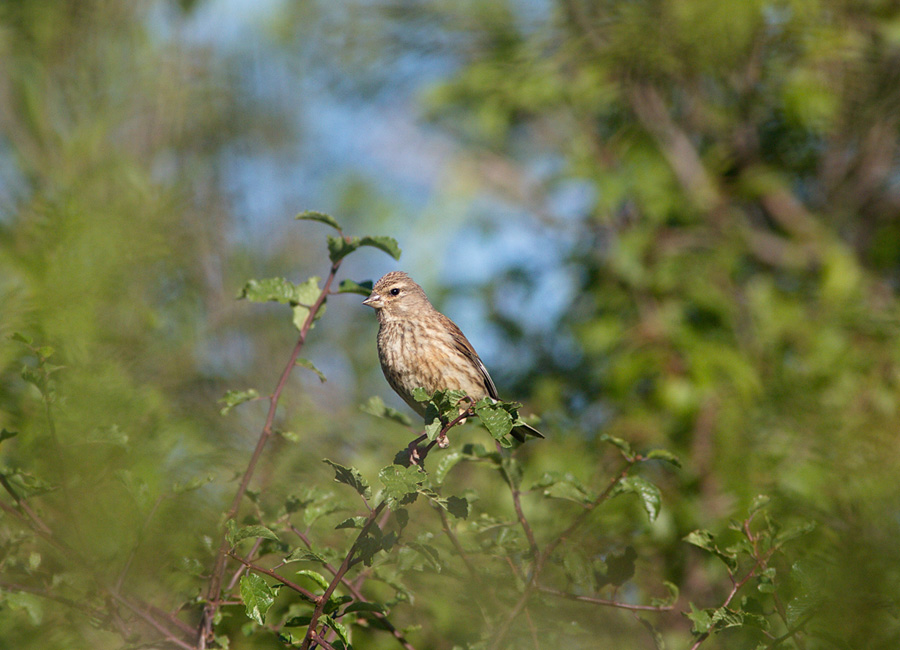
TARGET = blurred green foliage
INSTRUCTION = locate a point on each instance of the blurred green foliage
(734, 301)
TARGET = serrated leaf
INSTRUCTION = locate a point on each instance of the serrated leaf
(420, 394)
(387, 244)
(306, 363)
(6, 434)
(316, 577)
(649, 494)
(495, 418)
(312, 215)
(352, 477)
(352, 522)
(235, 534)
(663, 454)
(401, 484)
(376, 406)
(701, 538)
(269, 290)
(701, 619)
(257, 596)
(234, 397)
(361, 288)
(458, 507)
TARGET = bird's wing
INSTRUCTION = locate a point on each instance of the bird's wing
(462, 344)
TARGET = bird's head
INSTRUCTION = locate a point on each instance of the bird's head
(396, 296)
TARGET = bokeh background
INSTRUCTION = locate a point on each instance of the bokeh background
(672, 221)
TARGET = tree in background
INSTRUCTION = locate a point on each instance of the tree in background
(732, 277)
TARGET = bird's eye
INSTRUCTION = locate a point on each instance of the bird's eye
(395, 291)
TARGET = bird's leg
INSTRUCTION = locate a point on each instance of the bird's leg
(413, 450)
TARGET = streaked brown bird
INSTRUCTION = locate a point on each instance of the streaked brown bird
(420, 347)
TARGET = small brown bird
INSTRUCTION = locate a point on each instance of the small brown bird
(420, 347)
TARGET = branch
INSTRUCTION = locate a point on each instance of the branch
(605, 602)
(215, 583)
(306, 593)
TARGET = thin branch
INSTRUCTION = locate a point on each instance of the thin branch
(215, 583)
(339, 576)
(237, 574)
(306, 593)
(149, 619)
(356, 593)
(604, 601)
(38, 522)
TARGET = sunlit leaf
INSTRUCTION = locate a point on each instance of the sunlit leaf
(312, 215)
(257, 596)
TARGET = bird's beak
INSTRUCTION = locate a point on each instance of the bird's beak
(374, 301)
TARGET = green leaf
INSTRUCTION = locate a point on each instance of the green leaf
(420, 394)
(306, 363)
(352, 522)
(674, 592)
(234, 397)
(458, 507)
(306, 295)
(352, 477)
(305, 555)
(564, 486)
(29, 603)
(21, 338)
(361, 606)
(110, 435)
(387, 244)
(257, 596)
(401, 484)
(338, 628)
(235, 534)
(318, 578)
(495, 418)
(648, 493)
(447, 462)
(702, 539)
(376, 406)
(760, 501)
(361, 288)
(705, 540)
(193, 484)
(312, 215)
(341, 247)
(663, 454)
(622, 445)
(6, 435)
(701, 619)
(269, 290)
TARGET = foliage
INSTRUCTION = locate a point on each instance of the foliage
(729, 330)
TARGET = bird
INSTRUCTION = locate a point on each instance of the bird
(420, 347)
